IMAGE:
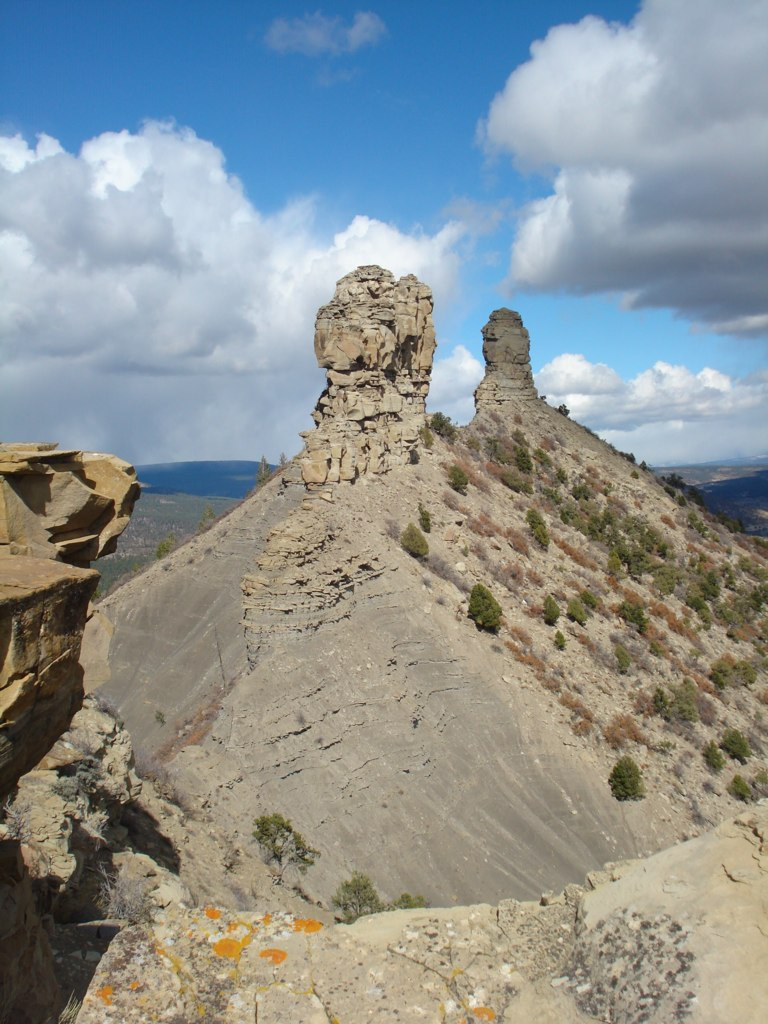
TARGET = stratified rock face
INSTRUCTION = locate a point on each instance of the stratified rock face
(68, 505)
(506, 348)
(43, 606)
(376, 340)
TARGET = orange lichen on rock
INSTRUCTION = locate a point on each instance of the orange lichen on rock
(231, 948)
(213, 913)
(134, 985)
(275, 955)
(105, 994)
(484, 1013)
(267, 919)
(307, 924)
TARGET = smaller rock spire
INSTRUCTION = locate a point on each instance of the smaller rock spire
(508, 376)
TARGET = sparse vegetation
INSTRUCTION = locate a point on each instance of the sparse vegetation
(623, 659)
(427, 437)
(124, 897)
(282, 845)
(208, 516)
(523, 459)
(626, 780)
(414, 542)
(736, 745)
(713, 757)
(633, 614)
(425, 519)
(263, 473)
(443, 426)
(405, 901)
(166, 546)
(559, 641)
(356, 897)
(551, 610)
(512, 479)
(71, 1010)
(484, 609)
(739, 787)
(458, 479)
(727, 671)
(538, 527)
(589, 600)
(576, 611)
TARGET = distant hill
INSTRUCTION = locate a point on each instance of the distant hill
(737, 488)
(232, 479)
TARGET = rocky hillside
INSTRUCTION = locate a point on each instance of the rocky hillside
(361, 699)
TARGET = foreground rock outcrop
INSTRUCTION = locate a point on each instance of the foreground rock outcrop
(59, 510)
(376, 341)
(678, 937)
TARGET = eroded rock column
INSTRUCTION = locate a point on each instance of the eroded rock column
(508, 377)
(376, 341)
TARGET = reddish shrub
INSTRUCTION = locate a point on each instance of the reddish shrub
(521, 635)
(622, 729)
(576, 555)
(517, 541)
(644, 704)
(482, 525)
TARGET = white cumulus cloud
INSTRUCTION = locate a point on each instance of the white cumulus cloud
(316, 34)
(149, 308)
(665, 414)
(454, 379)
(655, 137)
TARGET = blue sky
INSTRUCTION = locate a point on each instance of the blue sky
(181, 183)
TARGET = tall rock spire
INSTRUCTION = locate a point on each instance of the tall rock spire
(376, 341)
(506, 348)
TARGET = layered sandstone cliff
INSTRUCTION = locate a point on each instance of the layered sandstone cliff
(376, 341)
